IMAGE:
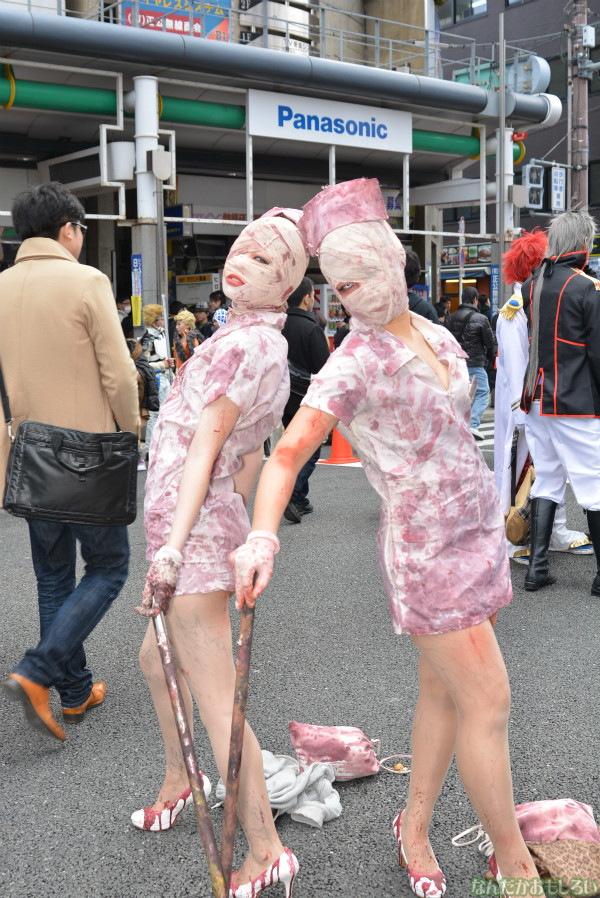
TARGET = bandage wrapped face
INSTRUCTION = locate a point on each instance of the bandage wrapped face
(364, 264)
(265, 265)
(345, 225)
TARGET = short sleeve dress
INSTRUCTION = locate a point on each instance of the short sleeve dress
(442, 547)
(248, 364)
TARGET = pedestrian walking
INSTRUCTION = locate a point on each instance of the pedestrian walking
(308, 351)
(206, 456)
(473, 332)
(398, 389)
(90, 384)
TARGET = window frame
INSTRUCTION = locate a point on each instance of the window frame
(454, 21)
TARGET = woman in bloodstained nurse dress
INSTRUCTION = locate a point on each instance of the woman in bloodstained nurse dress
(207, 451)
(441, 552)
(398, 389)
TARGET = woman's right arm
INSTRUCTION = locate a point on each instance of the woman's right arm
(306, 432)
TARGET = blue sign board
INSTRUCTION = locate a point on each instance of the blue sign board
(495, 287)
(559, 184)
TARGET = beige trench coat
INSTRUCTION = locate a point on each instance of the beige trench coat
(62, 350)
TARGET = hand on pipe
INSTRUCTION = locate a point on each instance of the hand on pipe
(161, 581)
(253, 559)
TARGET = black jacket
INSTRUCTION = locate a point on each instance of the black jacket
(569, 339)
(307, 347)
(474, 333)
(150, 398)
(421, 307)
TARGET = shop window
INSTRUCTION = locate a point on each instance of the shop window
(453, 11)
(453, 216)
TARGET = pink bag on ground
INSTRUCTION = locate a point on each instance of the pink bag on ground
(558, 818)
(347, 749)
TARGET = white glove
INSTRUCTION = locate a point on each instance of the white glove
(161, 581)
(253, 560)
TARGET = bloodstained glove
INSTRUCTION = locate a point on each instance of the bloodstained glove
(161, 581)
(253, 560)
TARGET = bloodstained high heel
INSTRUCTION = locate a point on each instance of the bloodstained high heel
(156, 821)
(425, 885)
(284, 869)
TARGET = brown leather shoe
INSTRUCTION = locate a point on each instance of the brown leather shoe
(76, 715)
(36, 704)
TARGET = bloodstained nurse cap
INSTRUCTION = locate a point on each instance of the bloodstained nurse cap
(340, 204)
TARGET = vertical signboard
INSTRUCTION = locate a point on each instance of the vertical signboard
(136, 289)
(559, 182)
(495, 287)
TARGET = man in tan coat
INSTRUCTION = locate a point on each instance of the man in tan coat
(85, 381)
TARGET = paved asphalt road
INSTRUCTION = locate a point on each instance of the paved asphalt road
(324, 653)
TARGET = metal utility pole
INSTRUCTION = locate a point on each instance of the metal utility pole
(579, 121)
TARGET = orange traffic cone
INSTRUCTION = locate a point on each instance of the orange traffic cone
(341, 451)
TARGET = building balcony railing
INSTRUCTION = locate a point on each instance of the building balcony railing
(298, 27)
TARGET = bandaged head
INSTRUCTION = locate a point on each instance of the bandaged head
(266, 263)
(359, 254)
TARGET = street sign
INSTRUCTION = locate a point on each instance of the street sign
(519, 135)
(559, 180)
(495, 287)
(136, 289)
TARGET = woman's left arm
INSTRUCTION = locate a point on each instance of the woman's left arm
(216, 423)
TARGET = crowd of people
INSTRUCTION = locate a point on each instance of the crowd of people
(405, 390)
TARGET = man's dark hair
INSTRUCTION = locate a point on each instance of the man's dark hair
(440, 308)
(469, 296)
(175, 306)
(219, 296)
(412, 269)
(305, 289)
(42, 210)
(127, 327)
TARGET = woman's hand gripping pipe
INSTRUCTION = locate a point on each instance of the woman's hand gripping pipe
(252, 564)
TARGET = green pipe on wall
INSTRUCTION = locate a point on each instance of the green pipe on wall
(95, 101)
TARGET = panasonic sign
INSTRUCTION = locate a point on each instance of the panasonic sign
(327, 121)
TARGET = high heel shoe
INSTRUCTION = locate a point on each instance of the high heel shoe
(156, 821)
(425, 885)
(284, 869)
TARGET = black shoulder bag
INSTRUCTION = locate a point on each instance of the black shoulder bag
(299, 379)
(72, 476)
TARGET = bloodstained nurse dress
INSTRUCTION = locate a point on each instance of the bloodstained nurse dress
(248, 364)
(442, 547)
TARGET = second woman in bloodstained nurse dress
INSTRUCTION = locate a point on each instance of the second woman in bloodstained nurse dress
(442, 549)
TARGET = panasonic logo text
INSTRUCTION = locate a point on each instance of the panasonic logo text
(327, 125)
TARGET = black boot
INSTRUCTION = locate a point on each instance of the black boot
(594, 525)
(542, 520)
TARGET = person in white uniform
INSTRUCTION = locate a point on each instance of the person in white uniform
(561, 390)
(524, 256)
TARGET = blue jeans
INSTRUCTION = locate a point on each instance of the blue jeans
(482, 395)
(300, 494)
(68, 614)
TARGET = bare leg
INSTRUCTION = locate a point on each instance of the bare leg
(433, 740)
(200, 633)
(469, 665)
(176, 778)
